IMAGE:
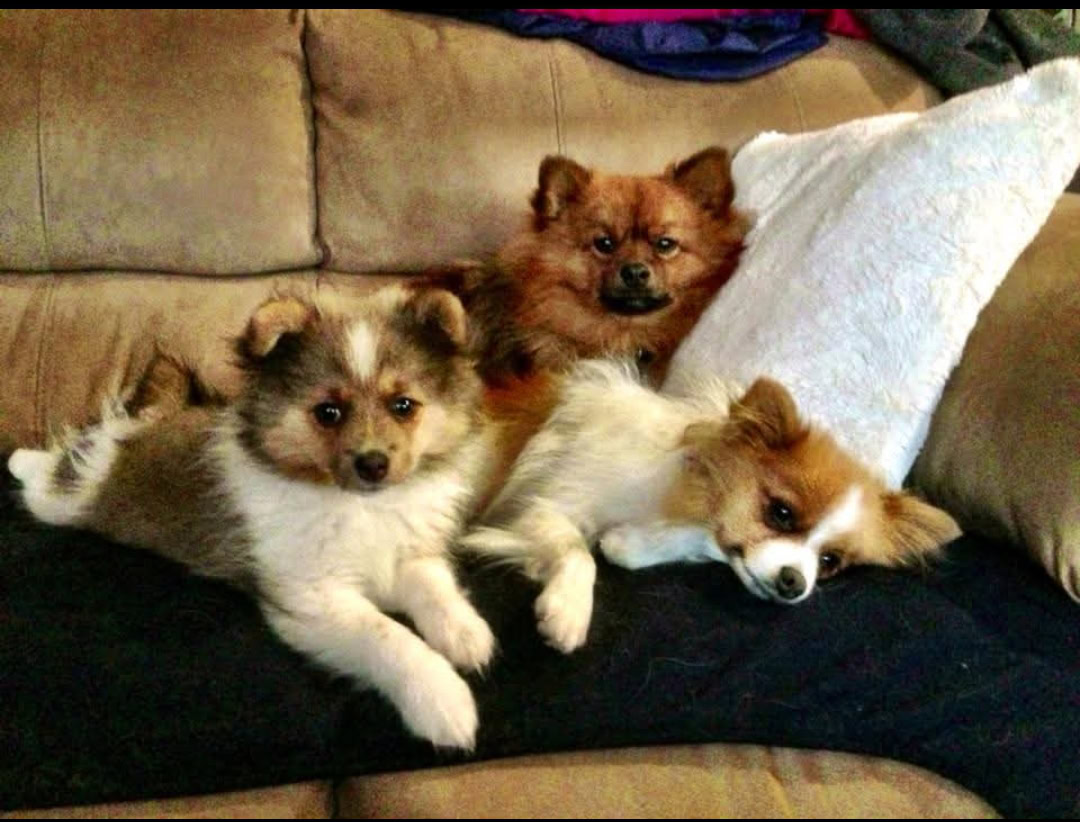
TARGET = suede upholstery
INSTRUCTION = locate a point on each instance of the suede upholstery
(1004, 449)
(476, 109)
(166, 140)
(685, 782)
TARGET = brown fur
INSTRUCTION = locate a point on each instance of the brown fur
(764, 451)
(168, 386)
(552, 296)
(161, 494)
(516, 411)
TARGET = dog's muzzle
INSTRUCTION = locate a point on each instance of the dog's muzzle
(632, 291)
(631, 301)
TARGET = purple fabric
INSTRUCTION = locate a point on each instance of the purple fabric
(731, 48)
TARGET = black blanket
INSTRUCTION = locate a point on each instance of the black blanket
(122, 678)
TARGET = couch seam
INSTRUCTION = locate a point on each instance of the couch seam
(335, 800)
(776, 782)
(313, 131)
(43, 209)
(556, 102)
(784, 77)
(40, 434)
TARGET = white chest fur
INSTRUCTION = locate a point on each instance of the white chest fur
(305, 534)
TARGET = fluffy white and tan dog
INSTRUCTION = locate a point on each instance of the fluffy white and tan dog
(724, 475)
(330, 489)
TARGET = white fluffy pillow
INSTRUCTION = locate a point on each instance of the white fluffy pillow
(875, 246)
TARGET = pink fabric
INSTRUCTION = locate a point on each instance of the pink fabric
(838, 21)
(641, 15)
(843, 22)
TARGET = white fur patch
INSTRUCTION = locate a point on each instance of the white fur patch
(607, 455)
(309, 533)
(91, 454)
(764, 562)
(362, 351)
(564, 608)
(428, 592)
(841, 519)
(335, 624)
(642, 546)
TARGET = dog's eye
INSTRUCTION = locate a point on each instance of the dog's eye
(402, 407)
(604, 244)
(328, 414)
(780, 516)
(667, 245)
(829, 563)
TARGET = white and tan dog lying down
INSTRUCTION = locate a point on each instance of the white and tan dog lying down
(733, 477)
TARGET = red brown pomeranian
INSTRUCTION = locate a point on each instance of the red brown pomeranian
(607, 265)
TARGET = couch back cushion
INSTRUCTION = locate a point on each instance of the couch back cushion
(1003, 454)
(431, 130)
(162, 140)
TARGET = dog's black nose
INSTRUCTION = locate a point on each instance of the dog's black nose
(790, 583)
(634, 275)
(372, 465)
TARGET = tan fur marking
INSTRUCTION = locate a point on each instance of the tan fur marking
(283, 315)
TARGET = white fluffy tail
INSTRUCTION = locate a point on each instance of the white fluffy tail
(42, 492)
(60, 484)
(499, 544)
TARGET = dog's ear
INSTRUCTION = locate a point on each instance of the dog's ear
(915, 530)
(274, 319)
(562, 181)
(766, 416)
(701, 441)
(707, 178)
(437, 318)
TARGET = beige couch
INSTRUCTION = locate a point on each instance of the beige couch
(163, 171)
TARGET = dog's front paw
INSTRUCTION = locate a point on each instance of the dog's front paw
(438, 705)
(621, 546)
(564, 610)
(464, 638)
